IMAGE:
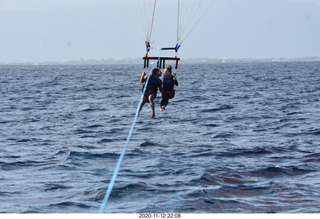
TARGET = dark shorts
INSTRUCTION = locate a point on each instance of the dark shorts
(148, 93)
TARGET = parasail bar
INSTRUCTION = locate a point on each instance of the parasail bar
(169, 48)
(161, 61)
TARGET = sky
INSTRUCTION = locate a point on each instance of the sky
(66, 30)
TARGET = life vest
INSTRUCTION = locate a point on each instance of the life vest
(153, 84)
(168, 84)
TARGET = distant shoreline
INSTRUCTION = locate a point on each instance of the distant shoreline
(183, 61)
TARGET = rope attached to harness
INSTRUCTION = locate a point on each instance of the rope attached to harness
(116, 171)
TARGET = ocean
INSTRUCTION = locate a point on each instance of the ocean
(237, 138)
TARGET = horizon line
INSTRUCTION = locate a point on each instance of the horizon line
(92, 61)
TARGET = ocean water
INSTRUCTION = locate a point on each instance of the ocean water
(237, 138)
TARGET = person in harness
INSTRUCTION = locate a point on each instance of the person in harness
(154, 84)
(168, 87)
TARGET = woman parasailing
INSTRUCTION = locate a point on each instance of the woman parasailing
(168, 91)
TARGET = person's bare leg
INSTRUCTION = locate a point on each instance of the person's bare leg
(142, 104)
(151, 100)
(162, 108)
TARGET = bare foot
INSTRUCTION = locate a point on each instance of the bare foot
(162, 108)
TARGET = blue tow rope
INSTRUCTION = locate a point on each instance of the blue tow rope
(116, 171)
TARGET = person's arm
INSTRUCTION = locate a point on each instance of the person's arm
(175, 81)
(160, 87)
(143, 77)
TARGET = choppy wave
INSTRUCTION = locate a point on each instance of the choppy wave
(237, 138)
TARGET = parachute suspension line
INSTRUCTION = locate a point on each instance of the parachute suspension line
(149, 24)
(178, 22)
(187, 24)
(153, 32)
(152, 22)
(183, 19)
(147, 18)
(147, 14)
(189, 16)
(116, 171)
(198, 21)
(133, 16)
(142, 20)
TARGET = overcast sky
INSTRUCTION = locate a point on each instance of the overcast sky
(64, 30)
